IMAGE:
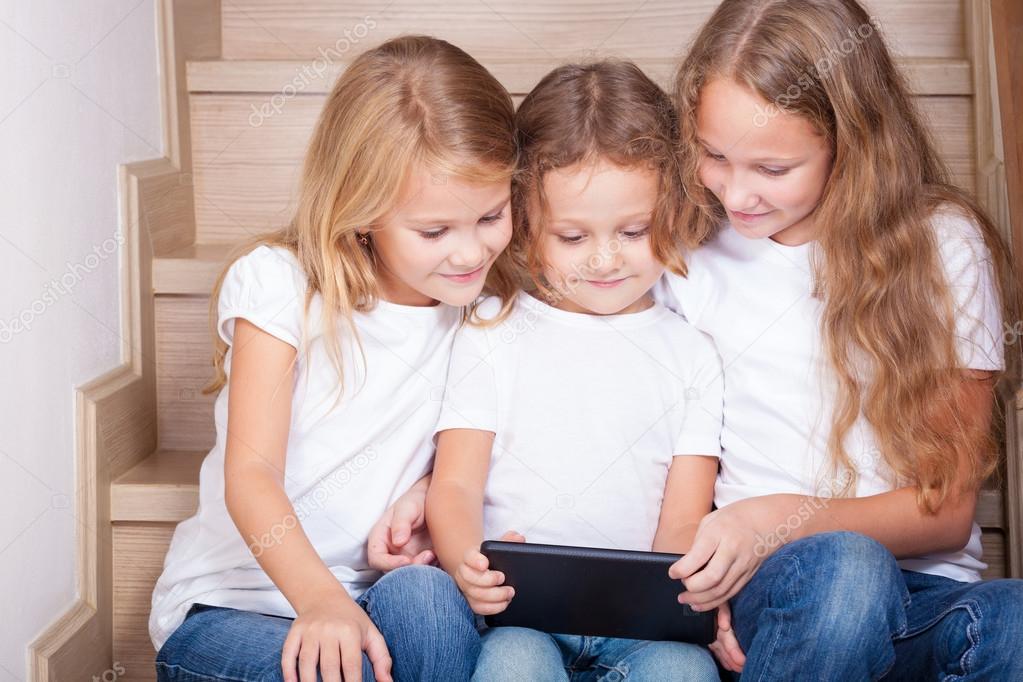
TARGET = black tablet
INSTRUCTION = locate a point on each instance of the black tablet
(597, 592)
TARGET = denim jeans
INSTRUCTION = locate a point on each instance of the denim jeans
(429, 629)
(522, 654)
(836, 606)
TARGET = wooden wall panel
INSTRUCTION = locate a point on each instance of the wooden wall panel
(563, 29)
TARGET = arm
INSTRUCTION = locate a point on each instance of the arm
(893, 518)
(259, 417)
(454, 503)
(735, 540)
(454, 513)
(688, 497)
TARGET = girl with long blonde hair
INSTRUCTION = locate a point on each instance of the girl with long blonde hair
(332, 345)
(856, 297)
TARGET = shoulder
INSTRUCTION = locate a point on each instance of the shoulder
(269, 264)
(962, 247)
(686, 338)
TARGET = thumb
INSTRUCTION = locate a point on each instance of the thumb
(724, 617)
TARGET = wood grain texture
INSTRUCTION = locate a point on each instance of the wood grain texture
(163, 487)
(516, 29)
(184, 366)
(139, 550)
(289, 78)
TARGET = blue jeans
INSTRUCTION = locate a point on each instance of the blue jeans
(429, 629)
(530, 655)
(836, 606)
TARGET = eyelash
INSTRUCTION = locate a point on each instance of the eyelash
(771, 172)
(631, 235)
(486, 220)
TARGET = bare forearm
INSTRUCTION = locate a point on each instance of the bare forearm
(455, 518)
(892, 518)
(267, 521)
(675, 538)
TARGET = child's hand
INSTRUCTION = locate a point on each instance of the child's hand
(334, 633)
(727, 550)
(726, 647)
(400, 537)
(484, 589)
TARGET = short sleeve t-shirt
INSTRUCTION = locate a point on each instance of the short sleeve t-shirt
(345, 463)
(753, 298)
(588, 412)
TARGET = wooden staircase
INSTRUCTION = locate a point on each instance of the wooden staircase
(247, 80)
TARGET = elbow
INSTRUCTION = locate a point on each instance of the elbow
(958, 524)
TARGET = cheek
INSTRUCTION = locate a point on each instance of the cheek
(408, 255)
(498, 237)
(796, 191)
(711, 175)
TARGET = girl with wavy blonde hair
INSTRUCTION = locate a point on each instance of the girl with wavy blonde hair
(856, 297)
(332, 345)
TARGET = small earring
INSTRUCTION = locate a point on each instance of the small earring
(363, 239)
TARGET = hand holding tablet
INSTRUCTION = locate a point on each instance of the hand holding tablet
(596, 592)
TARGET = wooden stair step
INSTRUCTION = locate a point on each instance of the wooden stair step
(192, 269)
(927, 76)
(164, 487)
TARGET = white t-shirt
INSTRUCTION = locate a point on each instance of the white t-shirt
(344, 464)
(588, 412)
(753, 298)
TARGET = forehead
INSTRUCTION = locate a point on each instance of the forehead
(736, 121)
(430, 195)
(600, 186)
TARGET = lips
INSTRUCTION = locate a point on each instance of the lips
(606, 284)
(464, 278)
(750, 217)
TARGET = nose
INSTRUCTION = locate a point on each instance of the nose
(606, 258)
(469, 253)
(737, 194)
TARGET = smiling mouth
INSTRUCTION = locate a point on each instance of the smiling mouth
(750, 217)
(607, 284)
(464, 277)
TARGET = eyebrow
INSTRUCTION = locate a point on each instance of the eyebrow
(765, 159)
(566, 223)
(429, 220)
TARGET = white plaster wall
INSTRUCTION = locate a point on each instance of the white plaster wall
(78, 96)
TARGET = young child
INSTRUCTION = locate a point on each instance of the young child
(334, 339)
(856, 299)
(581, 412)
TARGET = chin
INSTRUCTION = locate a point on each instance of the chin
(458, 299)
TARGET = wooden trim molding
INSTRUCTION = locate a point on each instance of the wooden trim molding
(1007, 85)
(115, 414)
(993, 195)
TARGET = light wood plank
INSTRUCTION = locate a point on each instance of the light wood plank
(247, 167)
(517, 29)
(192, 269)
(990, 509)
(184, 366)
(139, 550)
(164, 487)
(287, 79)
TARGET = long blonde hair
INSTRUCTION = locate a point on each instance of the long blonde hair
(413, 99)
(888, 316)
